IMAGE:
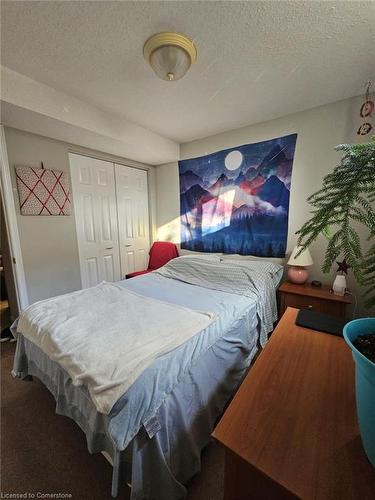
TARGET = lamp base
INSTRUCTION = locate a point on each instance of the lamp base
(298, 275)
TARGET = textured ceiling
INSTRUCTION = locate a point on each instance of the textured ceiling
(256, 60)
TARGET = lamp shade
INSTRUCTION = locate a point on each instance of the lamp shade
(304, 259)
(170, 54)
(170, 62)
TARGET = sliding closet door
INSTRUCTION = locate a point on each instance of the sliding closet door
(94, 198)
(133, 218)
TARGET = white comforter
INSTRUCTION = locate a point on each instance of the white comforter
(106, 336)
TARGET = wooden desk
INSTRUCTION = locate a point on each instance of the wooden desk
(291, 430)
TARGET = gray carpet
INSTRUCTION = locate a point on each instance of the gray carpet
(44, 452)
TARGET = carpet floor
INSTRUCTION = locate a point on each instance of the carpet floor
(42, 452)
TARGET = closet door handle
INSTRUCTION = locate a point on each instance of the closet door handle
(128, 245)
(109, 248)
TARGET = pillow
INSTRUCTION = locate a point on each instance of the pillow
(234, 256)
(204, 256)
(275, 269)
(184, 253)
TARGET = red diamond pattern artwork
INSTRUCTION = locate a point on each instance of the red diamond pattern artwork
(42, 191)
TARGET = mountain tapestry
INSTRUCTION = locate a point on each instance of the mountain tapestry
(237, 200)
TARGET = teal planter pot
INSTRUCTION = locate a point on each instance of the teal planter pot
(364, 384)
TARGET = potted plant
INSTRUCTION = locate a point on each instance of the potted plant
(345, 200)
(360, 336)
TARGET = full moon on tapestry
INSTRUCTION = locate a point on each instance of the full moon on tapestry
(237, 200)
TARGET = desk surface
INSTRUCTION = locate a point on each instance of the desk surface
(294, 416)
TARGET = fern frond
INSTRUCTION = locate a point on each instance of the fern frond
(346, 196)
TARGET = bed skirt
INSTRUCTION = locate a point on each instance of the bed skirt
(166, 451)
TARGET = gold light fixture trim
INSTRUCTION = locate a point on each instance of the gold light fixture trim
(169, 39)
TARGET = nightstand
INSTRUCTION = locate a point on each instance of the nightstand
(309, 297)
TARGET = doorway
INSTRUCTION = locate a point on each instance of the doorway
(8, 297)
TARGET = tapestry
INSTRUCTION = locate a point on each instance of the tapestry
(42, 191)
(237, 200)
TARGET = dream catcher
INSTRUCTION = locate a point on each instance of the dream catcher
(366, 112)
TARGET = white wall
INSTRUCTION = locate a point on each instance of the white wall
(49, 244)
(37, 108)
(318, 129)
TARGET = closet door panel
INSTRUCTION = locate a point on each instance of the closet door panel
(128, 261)
(105, 219)
(94, 198)
(104, 176)
(133, 218)
(84, 174)
(109, 268)
(143, 259)
(90, 270)
(86, 205)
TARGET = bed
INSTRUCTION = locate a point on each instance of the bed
(155, 431)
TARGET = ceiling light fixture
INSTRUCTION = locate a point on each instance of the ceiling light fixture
(170, 55)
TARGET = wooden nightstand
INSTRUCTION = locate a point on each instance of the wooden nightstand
(308, 297)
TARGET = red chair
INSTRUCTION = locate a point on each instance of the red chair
(160, 253)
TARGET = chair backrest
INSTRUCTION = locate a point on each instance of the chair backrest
(161, 252)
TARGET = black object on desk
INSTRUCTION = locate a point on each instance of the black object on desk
(321, 322)
(316, 284)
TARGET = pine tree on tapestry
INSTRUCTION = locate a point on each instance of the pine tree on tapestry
(346, 197)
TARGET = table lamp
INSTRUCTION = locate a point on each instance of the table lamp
(297, 273)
